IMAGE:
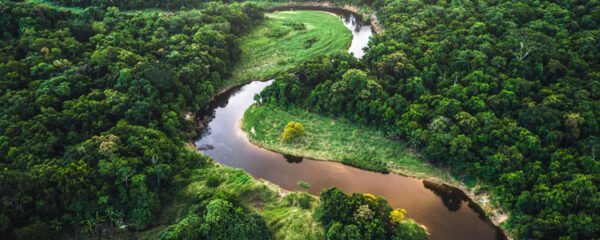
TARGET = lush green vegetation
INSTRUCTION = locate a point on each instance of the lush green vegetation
(285, 215)
(507, 92)
(91, 125)
(287, 39)
(338, 140)
(92, 130)
(179, 5)
(363, 216)
(295, 215)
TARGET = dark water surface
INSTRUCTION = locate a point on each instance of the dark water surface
(446, 212)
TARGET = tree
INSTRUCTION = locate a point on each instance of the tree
(303, 185)
(293, 130)
(91, 107)
(397, 216)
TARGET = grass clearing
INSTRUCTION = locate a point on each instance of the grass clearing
(337, 140)
(290, 222)
(278, 43)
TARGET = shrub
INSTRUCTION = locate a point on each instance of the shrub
(367, 163)
(277, 32)
(304, 201)
(397, 216)
(281, 62)
(295, 25)
(213, 181)
(293, 130)
(303, 185)
(310, 41)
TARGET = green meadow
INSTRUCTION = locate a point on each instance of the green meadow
(337, 140)
(284, 40)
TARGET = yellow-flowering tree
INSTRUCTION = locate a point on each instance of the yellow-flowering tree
(293, 130)
(370, 197)
(397, 216)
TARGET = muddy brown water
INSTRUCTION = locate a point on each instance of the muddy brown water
(446, 212)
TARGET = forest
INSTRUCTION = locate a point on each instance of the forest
(506, 92)
(93, 129)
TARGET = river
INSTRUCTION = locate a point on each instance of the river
(446, 212)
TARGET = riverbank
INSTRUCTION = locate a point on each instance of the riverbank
(335, 140)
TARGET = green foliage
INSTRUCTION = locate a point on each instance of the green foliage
(293, 130)
(502, 91)
(309, 42)
(337, 140)
(252, 12)
(363, 216)
(277, 32)
(304, 201)
(277, 44)
(409, 230)
(295, 25)
(303, 185)
(92, 132)
(291, 219)
(219, 219)
(286, 216)
(367, 163)
(213, 181)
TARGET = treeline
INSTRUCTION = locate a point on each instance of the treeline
(179, 4)
(91, 127)
(507, 92)
(130, 5)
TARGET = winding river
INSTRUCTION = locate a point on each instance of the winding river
(446, 212)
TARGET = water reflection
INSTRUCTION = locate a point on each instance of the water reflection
(292, 158)
(360, 33)
(451, 197)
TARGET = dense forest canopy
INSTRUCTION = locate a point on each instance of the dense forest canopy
(93, 124)
(180, 4)
(507, 92)
(363, 216)
(91, 110)
(92, 129)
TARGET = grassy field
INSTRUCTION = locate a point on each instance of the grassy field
(330, 139)
(283, 41)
